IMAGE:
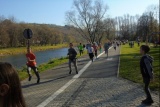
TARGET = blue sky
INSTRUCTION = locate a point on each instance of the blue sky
(53, 11)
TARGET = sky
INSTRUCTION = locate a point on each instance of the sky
(53, 11)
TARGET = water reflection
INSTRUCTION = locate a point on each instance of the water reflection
(41, 57)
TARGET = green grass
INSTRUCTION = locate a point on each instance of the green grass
(129, 64)
(20, 50)
(46, 66)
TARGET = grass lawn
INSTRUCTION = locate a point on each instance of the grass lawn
(46, 66)
(129, 64)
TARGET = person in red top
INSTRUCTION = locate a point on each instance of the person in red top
(31, 64)
(95, 47)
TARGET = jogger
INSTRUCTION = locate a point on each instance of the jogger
(72, 58)
(31, 65)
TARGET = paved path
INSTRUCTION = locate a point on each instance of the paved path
(98, 86)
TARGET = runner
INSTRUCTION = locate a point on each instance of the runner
(106, 47)
(84, 46)
(100, 47)
(31, 64)
(72, 58)
(114, 45)
(95, 47)
(80, 47)
(90, 51)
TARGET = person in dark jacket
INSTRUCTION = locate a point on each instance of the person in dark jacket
(147, 72)
(72, 58)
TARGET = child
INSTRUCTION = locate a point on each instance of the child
(10, 87)
(146, 71)
(72, 58)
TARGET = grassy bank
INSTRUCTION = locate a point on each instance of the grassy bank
(20, 50)
(46, 66)
(129, 64)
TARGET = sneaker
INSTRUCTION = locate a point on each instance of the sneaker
(147, 102)
(38, 80)
(30, 77)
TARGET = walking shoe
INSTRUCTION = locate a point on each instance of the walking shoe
(38, 80)
(30, 77)
(147, 102)
(70, 72)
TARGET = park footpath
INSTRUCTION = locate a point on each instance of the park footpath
(96, 85)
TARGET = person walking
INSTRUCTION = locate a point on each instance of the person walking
(90, 51)
(147, 72)
(106, 47)
(95, 47)
(10, 87)
(72, 58)
(80, 47)
(31, 65)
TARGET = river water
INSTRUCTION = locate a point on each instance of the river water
(19, 60)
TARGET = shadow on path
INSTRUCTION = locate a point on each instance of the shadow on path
(34, 84)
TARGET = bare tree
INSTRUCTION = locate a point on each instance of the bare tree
(110, 28)
(87, 17)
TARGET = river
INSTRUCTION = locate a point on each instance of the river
(19, 60)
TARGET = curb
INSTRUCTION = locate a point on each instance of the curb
(119, 63)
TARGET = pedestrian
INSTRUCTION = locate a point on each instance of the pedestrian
(95, 47)
(72, 58)
(106, 47)
(100, 47)
(146, 71)
(114, 45)
(90, 51)
(80, 47)
(31, 65)
(10, 87)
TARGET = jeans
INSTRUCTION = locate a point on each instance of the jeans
(146, 88)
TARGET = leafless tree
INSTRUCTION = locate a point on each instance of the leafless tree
(86, 17)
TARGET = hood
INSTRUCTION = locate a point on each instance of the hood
(150, 58)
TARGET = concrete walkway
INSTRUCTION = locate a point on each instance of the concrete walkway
(98, 86)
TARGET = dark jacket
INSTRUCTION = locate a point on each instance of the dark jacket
(72, 53)
(146, 66)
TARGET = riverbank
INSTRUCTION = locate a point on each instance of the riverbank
(129, 64)
(21, 50)
(46, 66)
